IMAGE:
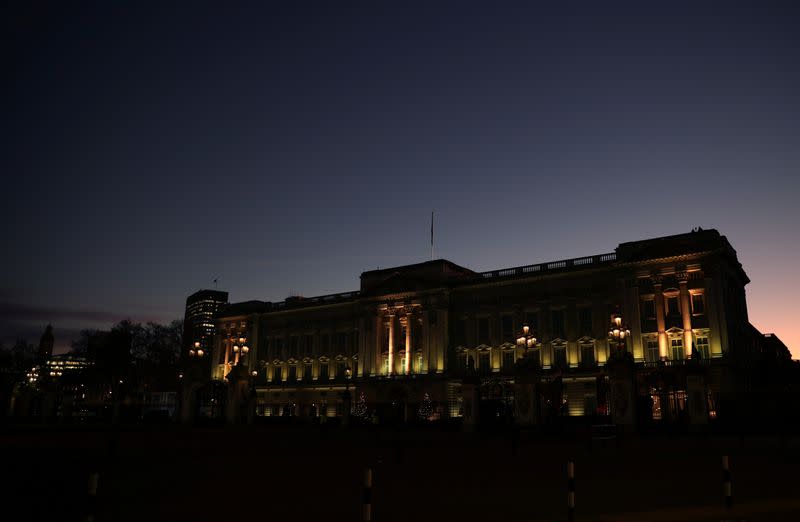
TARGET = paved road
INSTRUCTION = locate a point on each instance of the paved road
(283, 473)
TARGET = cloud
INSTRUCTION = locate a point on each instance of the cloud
(54, 314)
(26, 321)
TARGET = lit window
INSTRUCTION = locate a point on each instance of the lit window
(652, 352)
(703, 347)
(677, 348)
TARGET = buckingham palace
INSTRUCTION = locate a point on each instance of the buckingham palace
(444, 340)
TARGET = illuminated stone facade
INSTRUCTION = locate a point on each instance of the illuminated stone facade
(419, 329)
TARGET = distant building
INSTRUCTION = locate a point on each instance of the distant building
(64, 363)
(45, 350)
(417, 331)
(198, 323)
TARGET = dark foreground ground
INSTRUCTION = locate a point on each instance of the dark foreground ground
(304, 473)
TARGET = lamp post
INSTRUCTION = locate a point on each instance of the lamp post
(348, 372)
(619, 332)
(527, 340)
(240, 349)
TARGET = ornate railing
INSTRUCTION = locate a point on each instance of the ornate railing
(565, 264)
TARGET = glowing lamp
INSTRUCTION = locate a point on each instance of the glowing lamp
(526, 329)
(191, 353)
(521, 341)
(197, 344)
(245, 349)
(241, 340)
(200, 353)
(235, 348)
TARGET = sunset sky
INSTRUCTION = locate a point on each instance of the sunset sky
(286, 147)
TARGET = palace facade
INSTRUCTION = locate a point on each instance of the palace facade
(414, 332)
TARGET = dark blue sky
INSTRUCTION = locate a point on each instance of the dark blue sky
(286, 147)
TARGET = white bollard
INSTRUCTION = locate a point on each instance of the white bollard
(367, 509)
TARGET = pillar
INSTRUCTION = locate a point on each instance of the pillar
(391, 344)
(662, 331)
(686, 315)
(407, 368)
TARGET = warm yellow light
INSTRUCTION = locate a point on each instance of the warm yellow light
(245, 349)
(521, 341)
(526, 329)
(530, 342)
(191, 353)
(200, 353)
(235, 348)
(254, 373)
(618, 320)
(197, 344)
(615, 332)
(241, 340)
(622, 334)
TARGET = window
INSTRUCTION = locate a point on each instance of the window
(507, 326)
(292, 373)
(461, 364)
(585, 321)
(309, 344)
(651, 352)
(293, 351)
(698, 305)
(276, 373)
(672, 305)
(340, 366)
(703, 348)
(279, 348)
(484, 366)
(560, 356)
(649, 309)
(461, 332)
(323, 371)
(558, 323)
(508, 359)
(307, 372)
(536, 356)
(326, 344)
(532, 320)
(341, 343)
(587, 355)
(676, 344)
(483, 330)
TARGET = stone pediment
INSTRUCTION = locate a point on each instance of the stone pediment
(414, 278)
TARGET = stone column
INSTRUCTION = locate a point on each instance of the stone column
(686, 315)
(391, 344)
(378, 351)
(662, 331)
(713, 318)
(409, 320)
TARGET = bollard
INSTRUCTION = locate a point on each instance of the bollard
(367, 510)
(726, 481)
(94, 478)
(570, 491)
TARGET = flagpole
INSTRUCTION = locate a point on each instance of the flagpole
(431, 235)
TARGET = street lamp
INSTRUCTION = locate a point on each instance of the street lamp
(240, 348)
(348, 372)
(527, 341)
(618, 331)
(197, 350)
